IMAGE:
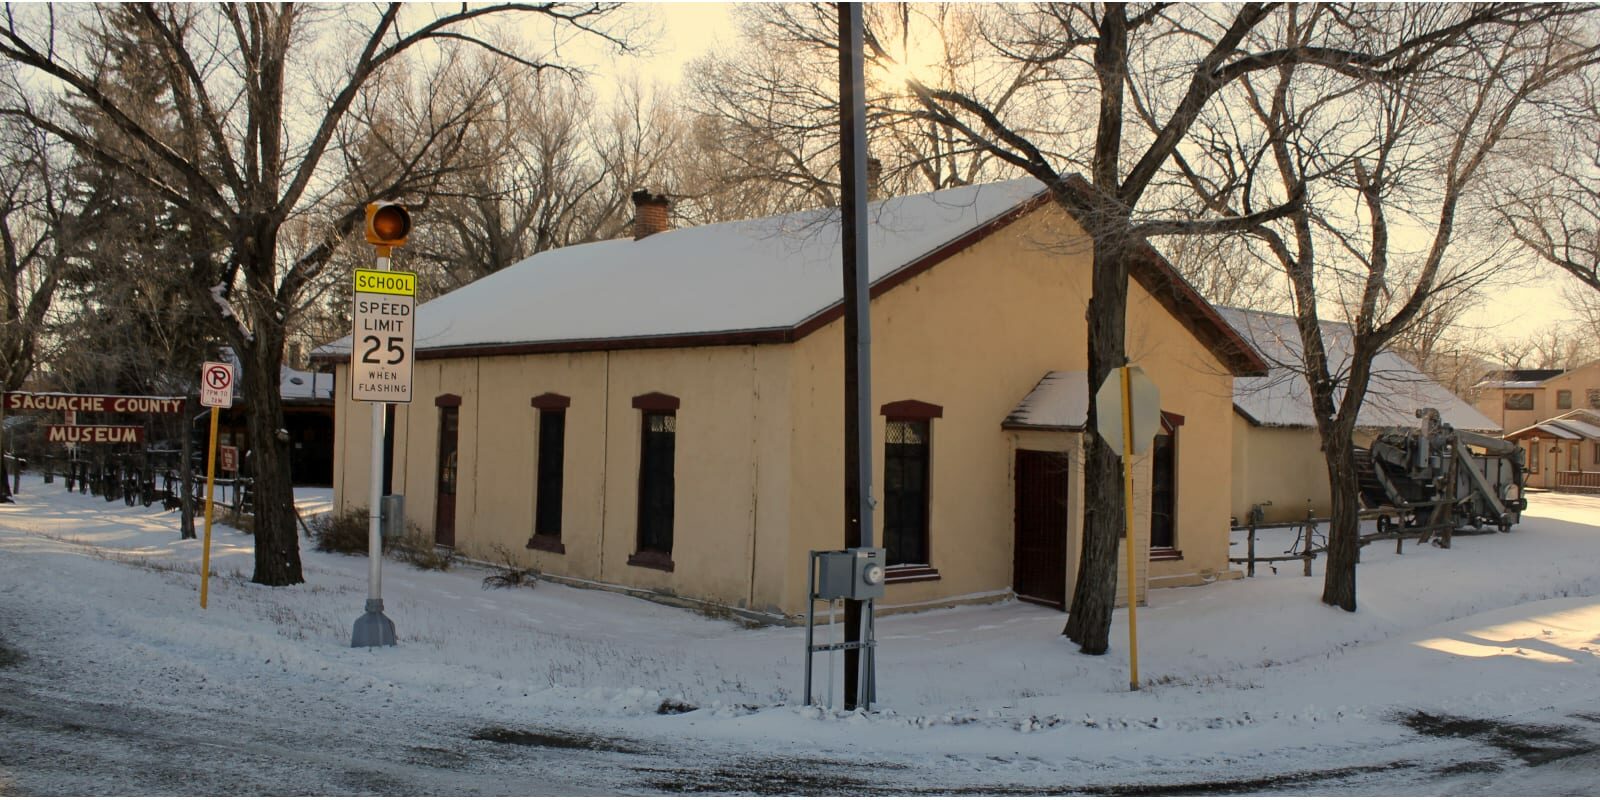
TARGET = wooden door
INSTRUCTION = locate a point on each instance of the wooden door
(444, 513)
(1039, 558)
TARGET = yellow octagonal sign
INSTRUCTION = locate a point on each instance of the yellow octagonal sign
(1146, 400)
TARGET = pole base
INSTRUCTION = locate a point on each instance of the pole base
(373, 629)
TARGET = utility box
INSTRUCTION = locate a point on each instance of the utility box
(854, 574)
(392, 517)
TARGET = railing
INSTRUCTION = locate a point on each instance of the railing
(1578, 481)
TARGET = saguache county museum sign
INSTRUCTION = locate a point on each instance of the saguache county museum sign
(92, 404)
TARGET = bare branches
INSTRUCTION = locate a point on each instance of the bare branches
(198, 109)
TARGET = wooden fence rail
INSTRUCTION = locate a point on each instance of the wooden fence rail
(1572, 481)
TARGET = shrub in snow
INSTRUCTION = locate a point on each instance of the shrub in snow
(507, 574)
(341, 533)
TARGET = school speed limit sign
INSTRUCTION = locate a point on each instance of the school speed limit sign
(380, 354)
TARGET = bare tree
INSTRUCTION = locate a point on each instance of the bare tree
(252, 99)
(46, 210)
(766, 115)
(1145, 74)
(1371, 154)
(1224, 270)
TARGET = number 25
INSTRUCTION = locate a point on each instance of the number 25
(397, 353)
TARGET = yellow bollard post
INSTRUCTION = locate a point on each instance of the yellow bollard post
(211, 478)
(1127, 506)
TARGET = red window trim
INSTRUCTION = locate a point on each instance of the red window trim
(910, 574)
(655, 401)
(911, 409)
(652, 559)
(550, 401)
(549, 544)
(448, 401)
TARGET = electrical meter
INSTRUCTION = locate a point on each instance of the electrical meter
(854, 574)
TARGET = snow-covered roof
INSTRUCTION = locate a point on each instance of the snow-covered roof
(1546, 429)
(293, 384)
(1059, 402)
(297, 384)
(1282, 398)
(748, 275)
(1517, 378)
(1575, 424)
(751, 281)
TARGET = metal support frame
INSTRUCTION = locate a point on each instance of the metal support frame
(867, 644)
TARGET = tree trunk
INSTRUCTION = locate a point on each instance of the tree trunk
(277, 539)
(1344, 530)
(1095, 594)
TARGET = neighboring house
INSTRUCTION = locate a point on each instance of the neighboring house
(1277, 453)
(1520, 398)
(307, 419)
(665, 413)
(1562, 453)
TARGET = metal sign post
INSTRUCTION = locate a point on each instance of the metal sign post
(380, 373)
(1129, 411)
(859, 673)
(216, 391)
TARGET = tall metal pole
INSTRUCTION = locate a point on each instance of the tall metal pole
(373, 628)
(1127, 507)
(857, 334)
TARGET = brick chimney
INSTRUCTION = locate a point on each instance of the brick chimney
(650, 213)
(874, 179)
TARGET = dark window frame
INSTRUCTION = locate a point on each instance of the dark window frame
(913, 413)
(1564, 399)
(654, 535)
(549, 471)
(1519, 401)
(1170, 423)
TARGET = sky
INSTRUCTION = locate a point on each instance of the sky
(682, 31)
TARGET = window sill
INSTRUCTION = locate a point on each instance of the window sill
(547, 543)
(1165, 554)
(910, 574)
(651, 559)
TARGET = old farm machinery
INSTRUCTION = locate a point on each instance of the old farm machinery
(1437, 479)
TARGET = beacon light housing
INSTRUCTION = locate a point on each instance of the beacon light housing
(388, 224)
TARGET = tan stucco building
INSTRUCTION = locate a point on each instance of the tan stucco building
(1562, 453)
(1277, 452)
(665, 413)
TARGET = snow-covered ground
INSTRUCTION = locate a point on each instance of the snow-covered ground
(1471, 670)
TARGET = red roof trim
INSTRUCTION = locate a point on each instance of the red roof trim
(927, 262)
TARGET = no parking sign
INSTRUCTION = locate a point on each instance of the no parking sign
(216, 385)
